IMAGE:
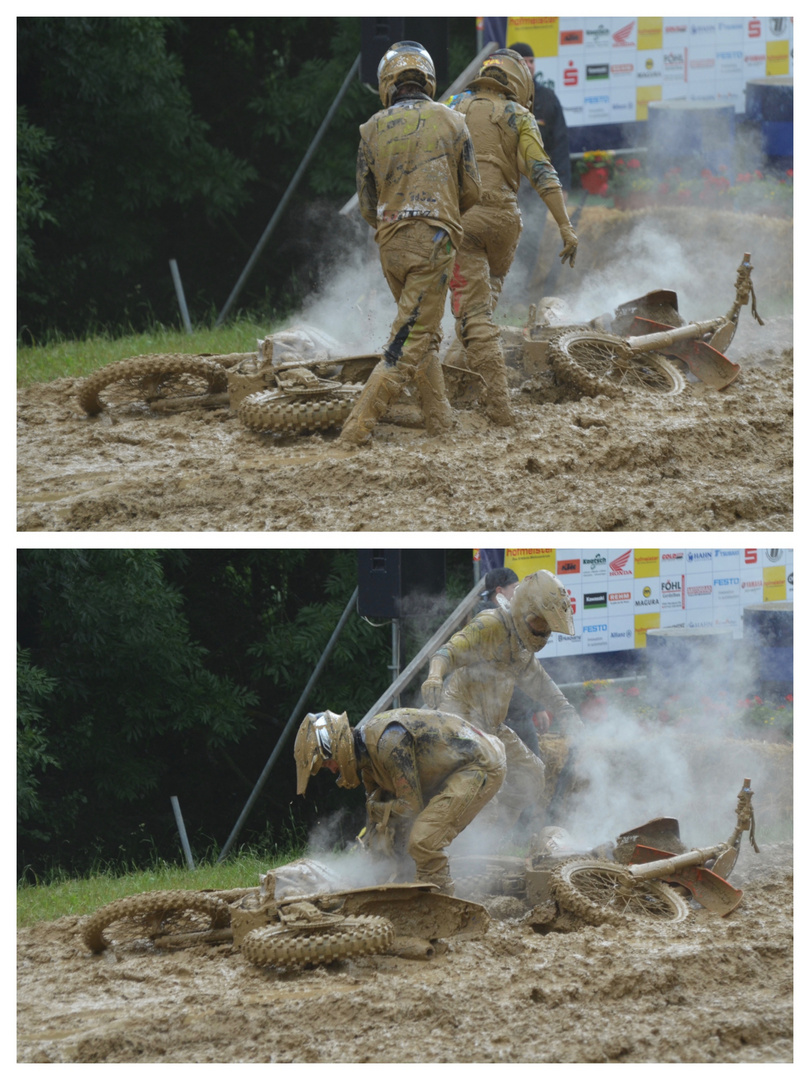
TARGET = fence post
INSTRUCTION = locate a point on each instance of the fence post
(181, 296)
(178, 817)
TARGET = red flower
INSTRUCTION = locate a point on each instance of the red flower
(634, 163)
(663, 188)
(594, 709)
(595, 181)
(707, 174)
(758, 700)
(633, 691)
(743, 177)
(757, 174)
(789, 697)
(789, 172)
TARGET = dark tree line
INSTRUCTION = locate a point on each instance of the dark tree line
(145, 139)
(147, 674)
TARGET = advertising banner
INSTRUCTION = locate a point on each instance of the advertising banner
(618, 594)
(606, 70)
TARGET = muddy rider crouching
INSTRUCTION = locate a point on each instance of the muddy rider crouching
(416, 175)
(426, 776)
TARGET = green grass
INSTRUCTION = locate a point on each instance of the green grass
(67, 358)
(80, 896)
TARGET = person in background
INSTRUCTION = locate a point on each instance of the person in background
(550, 117)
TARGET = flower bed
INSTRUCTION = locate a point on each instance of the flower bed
(623, 180)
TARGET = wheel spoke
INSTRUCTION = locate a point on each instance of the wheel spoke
(604, 363)
(599, 891)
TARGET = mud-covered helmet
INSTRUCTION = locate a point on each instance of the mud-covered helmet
(405, 62)
(544, 595)
(325, 737)
(504, 70)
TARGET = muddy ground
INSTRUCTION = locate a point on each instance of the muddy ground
(702, 460)
(710, 989)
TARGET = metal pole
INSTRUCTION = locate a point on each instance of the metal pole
(395, 646)
(181, 296)
(438, 638)
(178, 817)
(454, 88)
(288, 193)
(288, 727)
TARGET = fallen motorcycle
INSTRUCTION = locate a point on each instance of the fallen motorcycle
(295, 918)
(638, 346)
(299, 381)
(637, 878)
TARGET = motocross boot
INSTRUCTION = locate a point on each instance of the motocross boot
(382, 388)
(436, 409)
(491, 367)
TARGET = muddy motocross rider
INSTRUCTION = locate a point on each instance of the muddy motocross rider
(501, 583)
(426, 776)
(476, 671)
(416, 175)
(497, 106)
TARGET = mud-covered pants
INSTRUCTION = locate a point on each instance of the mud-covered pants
(491, 234)
(417, 262)
(451, 810)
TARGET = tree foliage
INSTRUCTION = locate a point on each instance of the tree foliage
(129, 695)
(33, 145)
(126, 148)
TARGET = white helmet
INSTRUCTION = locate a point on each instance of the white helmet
(405, 62)
(541, 595)
(325, 737)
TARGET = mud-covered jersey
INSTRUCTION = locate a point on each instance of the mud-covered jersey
(410, 753)
(416, 160)
(481, 665)
(507, 143)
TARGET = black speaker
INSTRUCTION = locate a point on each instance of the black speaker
(376, 35)
(387, 577)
